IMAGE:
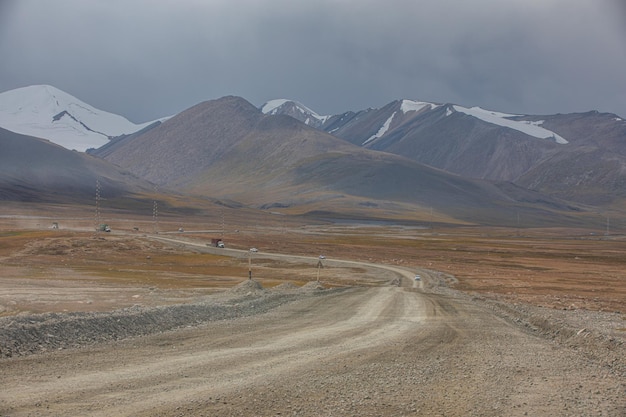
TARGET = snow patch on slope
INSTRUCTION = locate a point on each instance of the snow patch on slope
(406, 106)
(531, 128)
(383, 129)
(46, 112)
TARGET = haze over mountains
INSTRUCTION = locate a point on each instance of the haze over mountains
(32, 169)
(466, 164)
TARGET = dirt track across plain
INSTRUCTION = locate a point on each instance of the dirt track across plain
(381, 351)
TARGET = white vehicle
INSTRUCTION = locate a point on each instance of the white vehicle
(254, 250)
(322, 257)
(417, 277)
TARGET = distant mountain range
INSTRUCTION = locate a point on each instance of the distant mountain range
(579, 157)
(229, 148)
(404, 160)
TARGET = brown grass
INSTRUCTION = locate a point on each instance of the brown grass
(553, 268)
(548, 267)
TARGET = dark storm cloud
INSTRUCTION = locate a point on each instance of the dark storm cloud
(145, 59)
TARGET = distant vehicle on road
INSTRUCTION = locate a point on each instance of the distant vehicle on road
(417, 277)
(254, 250)
(218, 243)
(322, 257)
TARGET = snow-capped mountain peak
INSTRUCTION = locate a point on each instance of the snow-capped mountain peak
(411, 105)
(272, 106)
(46, 112)
(294, 109)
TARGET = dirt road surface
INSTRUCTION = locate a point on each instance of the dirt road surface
(368, 352)
(379, 351)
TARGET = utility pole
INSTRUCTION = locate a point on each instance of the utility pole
(97, 216)
(223, 226)
(249, 264)
(155, 214)
(320, 265)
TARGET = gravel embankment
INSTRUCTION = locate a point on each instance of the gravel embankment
(29, 334)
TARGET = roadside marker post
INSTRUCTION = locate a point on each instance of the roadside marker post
(320, 265)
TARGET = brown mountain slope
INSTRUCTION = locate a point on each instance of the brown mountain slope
(590, 175)
(591, 169)
(185, 145)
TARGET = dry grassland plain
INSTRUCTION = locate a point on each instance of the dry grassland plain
(554, 268)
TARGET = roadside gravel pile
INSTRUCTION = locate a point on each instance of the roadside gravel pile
(312, 286)
(248, 286)
(28, 334)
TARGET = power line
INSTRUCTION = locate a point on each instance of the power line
(97, 215)
(155, 217)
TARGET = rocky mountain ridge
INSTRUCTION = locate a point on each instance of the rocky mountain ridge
(579, 156)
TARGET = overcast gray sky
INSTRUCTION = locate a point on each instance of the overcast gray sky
(145, 59)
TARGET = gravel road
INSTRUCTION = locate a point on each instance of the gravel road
(384, 351)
